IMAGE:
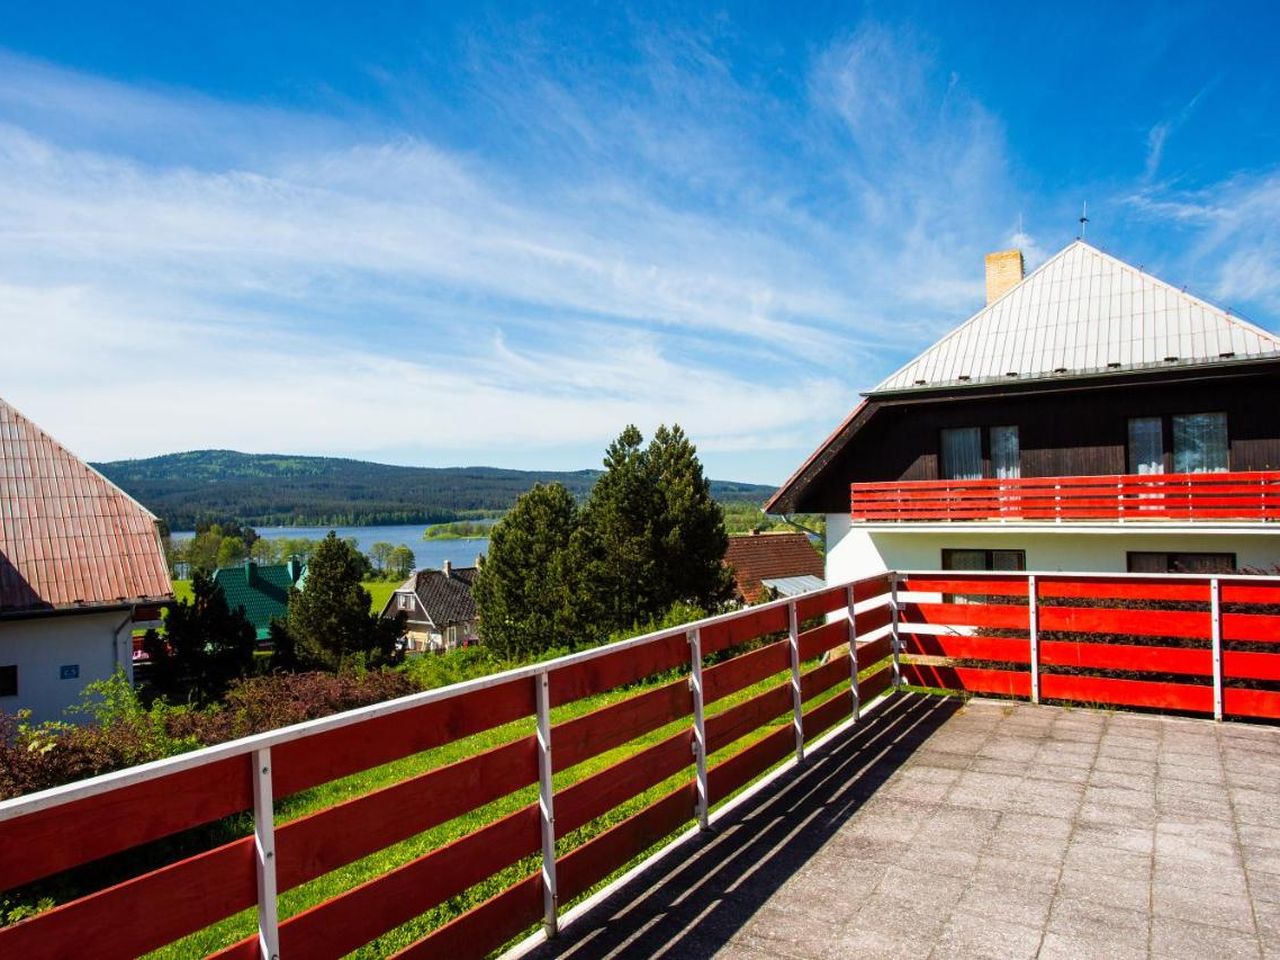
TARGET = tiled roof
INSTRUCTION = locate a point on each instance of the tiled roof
(446, 597)
(68, 536)
(755, 557)
(263, 591)
(1083, 312)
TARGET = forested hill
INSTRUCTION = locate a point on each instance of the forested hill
(271, 489)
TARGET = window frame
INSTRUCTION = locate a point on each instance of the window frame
(989, 559)
(986, 452)
(1169, 561)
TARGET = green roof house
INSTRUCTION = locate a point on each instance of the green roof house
(262, 590)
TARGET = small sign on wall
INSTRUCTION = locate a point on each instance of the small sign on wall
(69, 671)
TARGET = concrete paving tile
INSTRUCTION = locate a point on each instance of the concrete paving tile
(875, 944)
(890, 917)
(1088, 886)
(1046, 849)
(1116, 796)
(1202, 906)
(1264, 887)
(1210, 851)
(969, 936)
(1012, 871)
(1180, 940)
(1037, 825)
(1025, 903)
(1083, 918)
(1094, 811)
(1226, 879)
(1107, 860)
(1061, 946)
(913, 886)
(1262, 859)
(1131, 839)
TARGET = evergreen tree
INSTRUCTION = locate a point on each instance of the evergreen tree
(523, 589)
(329, 624)
(206, 646)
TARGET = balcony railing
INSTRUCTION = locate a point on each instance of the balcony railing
(1185, 497)
(735, 709)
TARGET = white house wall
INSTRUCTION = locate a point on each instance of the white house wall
(42, 647)
(853, 553)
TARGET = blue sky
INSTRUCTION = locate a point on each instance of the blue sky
(496, 234)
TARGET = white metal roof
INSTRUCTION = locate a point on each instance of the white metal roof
(794, 586)
(1082, 312)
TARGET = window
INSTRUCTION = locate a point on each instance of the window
(962, 453)
(984, 559)
(1147, 562)
(1198, 441)
(405, 601)
(9, 681)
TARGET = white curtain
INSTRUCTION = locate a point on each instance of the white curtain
(1146, 445)
(1005, 453)
(962, 454)
(1200, 443)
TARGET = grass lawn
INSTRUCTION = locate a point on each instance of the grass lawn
(379, 592)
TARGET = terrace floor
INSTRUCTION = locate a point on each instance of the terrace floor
(989, 829)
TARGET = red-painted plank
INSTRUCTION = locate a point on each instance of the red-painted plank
(484, 928)
(872, 686)
(325, 840)
(589, 798)
(741, 719)
(950, 583)
(1010, 650)
(747, 764)
(748, 626)
(1131, 693)
(744, 670)
(821, 639)
(39, 844)
(1251, 703)
(821, 679)
(873, 651)
(590, 863)
(144, 913)
(1255, 627)
(1139, 623)
(343, 923)
(1256, 591)
(593, 733)
(965, 614)
(1007, 683)
(866, 589)
(321, 757)
(614, 669)
(1105, 588)
(1239, 665)
(826, 715)
(868, 621)
(821, 602)
(1125, 656)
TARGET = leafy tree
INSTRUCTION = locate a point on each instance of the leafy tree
(401, 562)
(524, 589)
(380, 553)
(231, 551)
(264, 551)
(328, 624)
(206, 645)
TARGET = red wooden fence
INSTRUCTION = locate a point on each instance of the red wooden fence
(44, 834)
(1197, 644)
(1128, 497)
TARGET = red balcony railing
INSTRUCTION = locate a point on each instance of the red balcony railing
(1204, 497)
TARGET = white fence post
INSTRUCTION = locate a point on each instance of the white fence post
(797, 700)
(1215, 611)
(1033, 630)
(853, 655)
(699, 727)
(546, 804)
(264, 837)
(893, 626)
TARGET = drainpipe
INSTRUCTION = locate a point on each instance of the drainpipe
(124, 657)
(786, 518)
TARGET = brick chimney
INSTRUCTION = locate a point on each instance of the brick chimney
(1004, 272)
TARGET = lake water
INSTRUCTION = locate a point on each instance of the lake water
(427, 553)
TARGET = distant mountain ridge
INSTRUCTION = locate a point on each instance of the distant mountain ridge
(282, 490)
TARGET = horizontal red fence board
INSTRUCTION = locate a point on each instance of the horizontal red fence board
(1127, 656)
(748, 626)
(742, 718)
(343, 923)
(142, 914)
(1006, 683)
(39, 844)
(871, 686)
(870, 587)
(1257, 627)
(745, 765)
(872, 652)
(590, 863)
(1238, 664)
(1251, 703)
(821, 602)
(825, 716)
(821, 639)
(1105, 588)
(744, 670)
(313, 845)
(484, 928)
(1251, 592)
(1129, 693)
(965, 615)
(951, 583)
(1140, 623)
(603, 673)
(589, 798)
(967, 648)
(325, 756)
(821, 679)
(868, 621)
(600, 730)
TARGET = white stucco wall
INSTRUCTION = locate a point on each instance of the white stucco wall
(853, 552)
(42, 646)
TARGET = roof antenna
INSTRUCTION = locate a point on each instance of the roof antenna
(1084, 218)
